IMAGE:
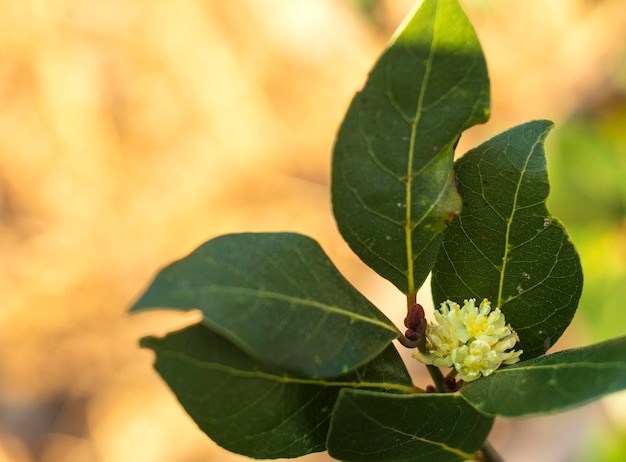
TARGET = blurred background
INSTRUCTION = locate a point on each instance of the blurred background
(131, 132)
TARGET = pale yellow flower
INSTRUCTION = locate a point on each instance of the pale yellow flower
(474, 340)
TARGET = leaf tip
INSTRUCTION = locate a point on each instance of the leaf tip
(148, 342)
(141, 304)
(542, 127)
(136, 308)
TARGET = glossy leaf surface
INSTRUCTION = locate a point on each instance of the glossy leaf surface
(370, 426)
(253, 408)
(278, 297)
(393, 188)
(552, 383)
(505, 245)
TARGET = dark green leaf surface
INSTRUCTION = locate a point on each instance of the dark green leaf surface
(370, 426)
(278, 297)
(505, 245)
(393, 189)
(552, 383)
(255, 409)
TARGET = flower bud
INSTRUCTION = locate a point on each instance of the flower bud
(415, 317)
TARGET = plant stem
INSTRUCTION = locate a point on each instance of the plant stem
(437, 377)
(408, 343)
(411, 298)
(488, 453)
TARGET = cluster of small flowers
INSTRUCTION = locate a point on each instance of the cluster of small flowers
(474, 340)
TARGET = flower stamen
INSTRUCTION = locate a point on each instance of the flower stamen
(474, 340)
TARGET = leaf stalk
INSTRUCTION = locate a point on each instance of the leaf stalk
(438, 379)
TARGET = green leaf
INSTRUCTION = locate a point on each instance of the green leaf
(253, 408)
(505, 245)
(552, 383)
(393, 188)
(371, 426)
(279, 298)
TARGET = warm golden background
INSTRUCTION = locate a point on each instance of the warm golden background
(132, 131)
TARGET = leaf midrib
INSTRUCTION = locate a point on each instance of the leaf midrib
(282, 379)
(560, 366)
(509, 222)
(441, 445)
(408, 228)
(261, 293)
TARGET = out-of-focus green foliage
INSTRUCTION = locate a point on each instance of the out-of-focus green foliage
(587, 165)
(606, 443)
